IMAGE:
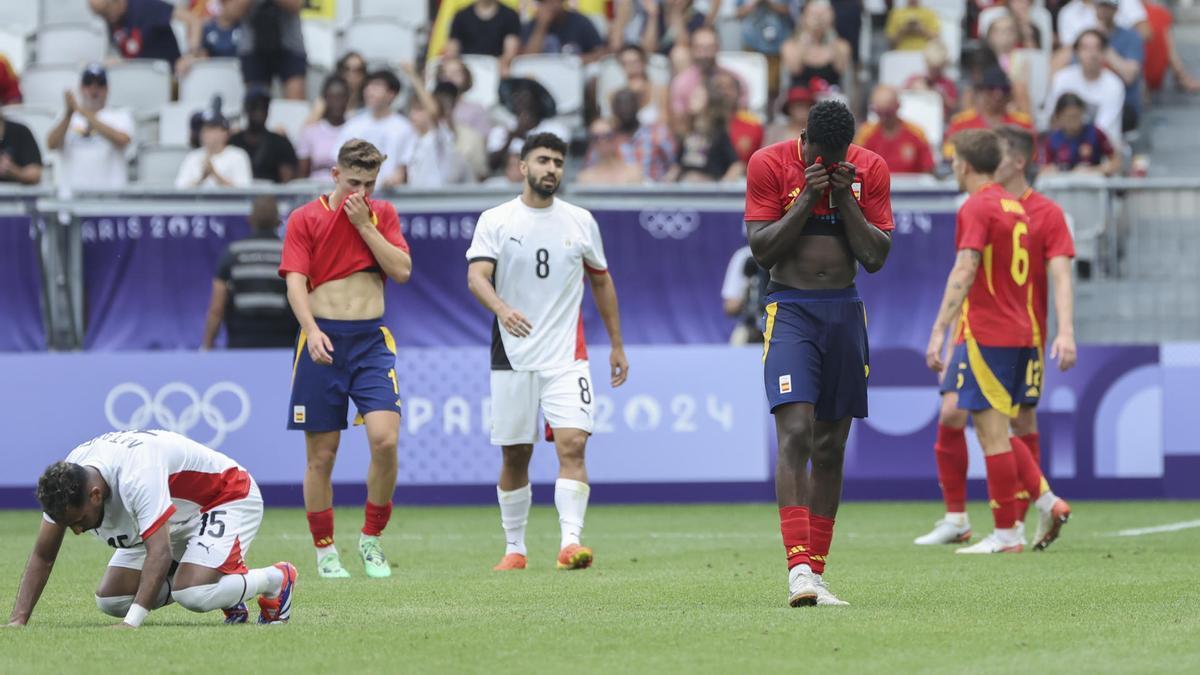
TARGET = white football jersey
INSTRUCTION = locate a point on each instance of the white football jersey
(540, 256)
(157, 477)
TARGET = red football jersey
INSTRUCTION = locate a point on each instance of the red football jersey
(775, 178)
(1049, 238)
(322, 244)
(905, 152)
(996, 312)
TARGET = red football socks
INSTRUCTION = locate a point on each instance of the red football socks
(320, 523)
(377, 518)
(1029, 477)
(1002, 488)
(821, 535)
(951, 453)
(794, 523)
(1034, 443)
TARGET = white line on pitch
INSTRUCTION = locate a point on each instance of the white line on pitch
(1172, 527)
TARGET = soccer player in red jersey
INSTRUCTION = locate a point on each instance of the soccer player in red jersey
(338, 251)
(1050, 250)
(816, 208)
(988, 288)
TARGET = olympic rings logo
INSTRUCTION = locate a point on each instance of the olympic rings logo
(667, 223)
(153, 411)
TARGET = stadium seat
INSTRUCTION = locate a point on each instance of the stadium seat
(15, 47)
(1039, 77)
(949, 11)
(951, 35)
(288, 116)
(75, 43)
(142, 85)
(897, 66)
(380, 40)
(174, 122)
(39, 119)
(561, 74)
(612, 78)
(729, 33)
(55, 12)
(211, 77)
(22, 18)
(320, 44)
(926, 110)
(753, 69)
(314, 79)
(159, 164)
(43, 85)
(485, 78)
(413, 13)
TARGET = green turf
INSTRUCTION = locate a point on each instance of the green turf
(701, 588)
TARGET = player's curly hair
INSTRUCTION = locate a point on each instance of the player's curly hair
(359, 154)
(61, 487)
(830, 125)
(544, 140)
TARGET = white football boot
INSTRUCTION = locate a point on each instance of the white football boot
(954, 529)
(825, 597)
(802, 586)
(1000, 541)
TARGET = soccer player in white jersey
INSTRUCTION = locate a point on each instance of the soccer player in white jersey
(528, 260)
(181, 516)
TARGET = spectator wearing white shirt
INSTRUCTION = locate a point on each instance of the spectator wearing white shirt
(1100, 88)
(215, 163)
(378, 124)
(1080, 15)
(92, 137)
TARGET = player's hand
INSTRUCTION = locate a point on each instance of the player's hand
(208, 167)
(843, 178)
(515, 323)
(816, 179)
(619, 365)
(933, 353)
(1063, 350)
(358, 211)
(320, 348)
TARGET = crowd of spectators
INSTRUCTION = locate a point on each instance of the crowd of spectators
(676, 113)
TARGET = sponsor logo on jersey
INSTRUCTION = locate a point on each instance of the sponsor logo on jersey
(785, 384)
(518, 240)
(298, 414)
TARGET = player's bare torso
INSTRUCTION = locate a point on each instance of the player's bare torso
(358, 296)
(817, 262)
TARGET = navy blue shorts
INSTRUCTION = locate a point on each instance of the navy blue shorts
(995, 377)
(815, 351)
(363, 369)
(264, 67)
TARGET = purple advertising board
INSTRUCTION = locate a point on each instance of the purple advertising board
(21, 327)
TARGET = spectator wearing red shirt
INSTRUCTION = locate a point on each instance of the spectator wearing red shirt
(991, 111)
(745, 128)
(901, 144)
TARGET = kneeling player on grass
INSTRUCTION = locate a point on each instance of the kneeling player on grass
(1050, 251)
(997, 330)
(182, 518)
(527, 263)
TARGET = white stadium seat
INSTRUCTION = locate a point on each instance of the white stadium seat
(897, 66)
(39, 119)
(485, 78)
(15, 48)
(289, 116)
(926, 110)
(380, 40)
(22, 18)
(320, 44)
(948, 11)
(560, 74)
(174, 122)
(142, 85)
(753, 69)
(159, 164)
(75, 43)
(1039, 76)
(210, 77)
(951, 35)
(413, 13)
(56, 12)
(43, 85)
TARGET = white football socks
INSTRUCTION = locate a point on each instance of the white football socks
(514, 516)
(230, 590)
(570, 498)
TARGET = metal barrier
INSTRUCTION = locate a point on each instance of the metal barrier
(1135, 237)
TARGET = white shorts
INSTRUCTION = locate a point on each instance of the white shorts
(565, 396)
(219, 538)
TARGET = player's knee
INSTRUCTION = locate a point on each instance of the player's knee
(950, 415)
(829, 456)
(517, 456)
(195, 598)
(1026, 422)
(571, 449)
(114, 605)
(321, 461)
(383, 449)
(796, 438)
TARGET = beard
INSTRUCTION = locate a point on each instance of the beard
(539, 187)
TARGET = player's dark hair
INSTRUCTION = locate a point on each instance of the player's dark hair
(1091, 31)
(830, 125)
(61, 487)
(545, 140)
(359, 154)
(979, 148)
(387, 77)
(1068, 100)
(1018, 138)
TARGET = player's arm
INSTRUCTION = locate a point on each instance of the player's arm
(394, 261)
(216, 313)
(605, 293)
(37, 571)
(957, 286)
(320, 349)
(869, 244)
(1063, 347)
(479, 280)
(154, 574)
(771, 242)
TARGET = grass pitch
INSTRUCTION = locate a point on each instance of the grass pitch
(674, 588)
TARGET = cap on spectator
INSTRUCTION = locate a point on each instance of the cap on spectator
(799, 95)
(256, 94)
(213, 118)
(94, 73)
(994, 78)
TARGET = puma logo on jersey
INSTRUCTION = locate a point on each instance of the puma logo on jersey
(206, 547)
(518, 240)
